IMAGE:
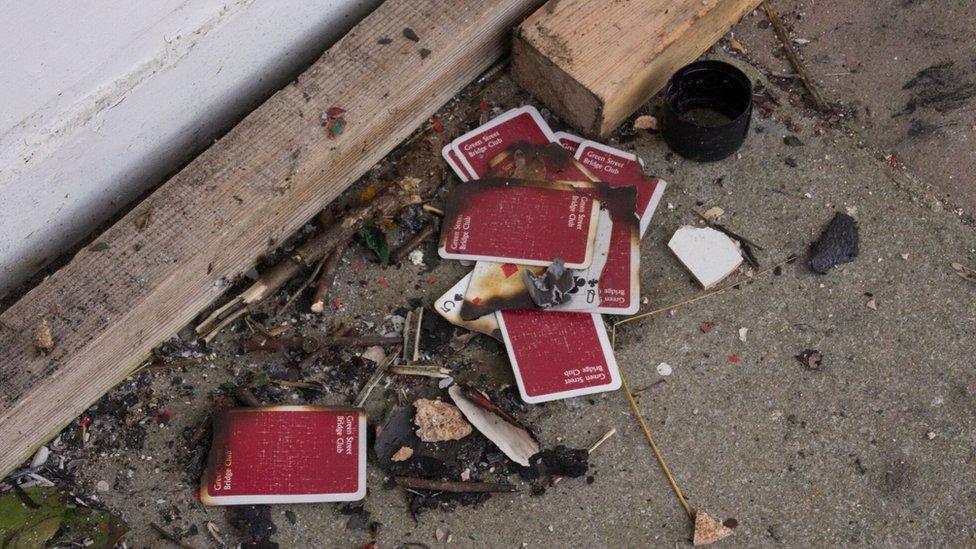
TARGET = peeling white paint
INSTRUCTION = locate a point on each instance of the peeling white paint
(101, 100)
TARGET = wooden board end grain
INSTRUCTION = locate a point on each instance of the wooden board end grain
(594, 62)
(162, 264)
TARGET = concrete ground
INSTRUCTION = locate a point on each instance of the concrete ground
(904, 70)
(876, 448)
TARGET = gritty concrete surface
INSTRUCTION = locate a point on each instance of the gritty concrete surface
(904, 71)
(875, 448)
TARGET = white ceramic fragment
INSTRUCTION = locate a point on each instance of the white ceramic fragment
(708, 254)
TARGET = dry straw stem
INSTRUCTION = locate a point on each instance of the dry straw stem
(630, 395)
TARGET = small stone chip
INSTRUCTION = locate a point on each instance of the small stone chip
(810, 359)
(838, 244)
(439, 421)
(645, 122)
(708, 530)
(403, 454)
(43, 340)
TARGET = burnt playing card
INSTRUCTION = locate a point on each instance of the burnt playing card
(519, 221)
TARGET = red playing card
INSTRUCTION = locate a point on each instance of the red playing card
(525, 222)
(449, 306)
(476, 148)
(618, 168)
(548, 162)
(286, 454)
(620, 280)
(454, 162)
(558, 355)
(568, 141)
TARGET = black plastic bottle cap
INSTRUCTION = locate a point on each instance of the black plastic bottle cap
(707, 108)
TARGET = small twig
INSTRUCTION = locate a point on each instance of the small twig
(328, 276)
(414, 241)
(480, 400)
(433, 209)
(699, 297)
(298, 384)
(746, 244)
(651, 386)
(310, 344)
(313, 357)
(427, 371)
(606, 436)
(308, 281)
(784, 38)
(657, 453)
(406, 334)
(264, 343)
(226, 321)
(454, 486)
(170, 537)
(416, 335)
(375, 378)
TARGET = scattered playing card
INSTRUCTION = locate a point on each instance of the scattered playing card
(476, 148)
(517, 221)
(494, 287)
(617, 168)
(548, 162)
(286, 454)
(558, 355)
(620, 278)
(450, 304)
(452, 160)
(569, 141)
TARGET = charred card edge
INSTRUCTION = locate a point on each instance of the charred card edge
(501, 118)
(645, 220)
(635, 262)
(489, 319)
(452, 208)
(601, 332)
(255, 499)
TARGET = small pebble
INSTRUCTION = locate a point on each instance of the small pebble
(101, 486)
(40, 457)
(416, 257)
(931, 435)
(664, 369)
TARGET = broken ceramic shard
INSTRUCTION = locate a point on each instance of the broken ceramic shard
(439, 421)
(514, 441)
(552, 286)
(708, 254)
(838, 244)
(708, 530)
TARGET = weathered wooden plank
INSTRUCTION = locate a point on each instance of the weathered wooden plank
(142, 282)
(594, 62)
